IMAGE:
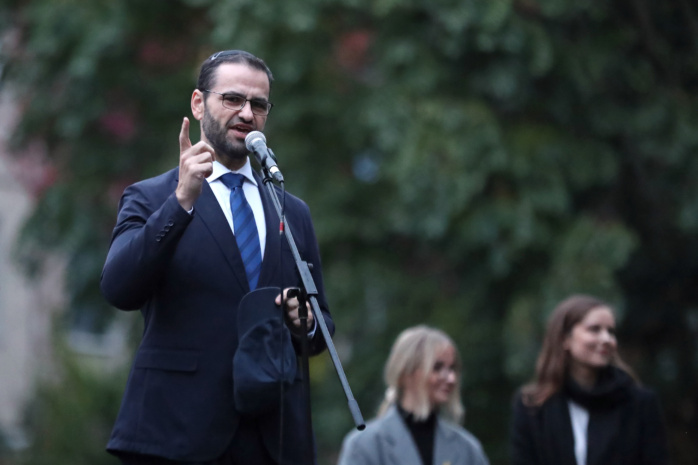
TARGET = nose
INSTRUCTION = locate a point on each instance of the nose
(246, 112)
(608, 337)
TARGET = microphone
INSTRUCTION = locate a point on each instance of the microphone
(257, 144)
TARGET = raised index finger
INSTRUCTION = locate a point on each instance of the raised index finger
(184, 141)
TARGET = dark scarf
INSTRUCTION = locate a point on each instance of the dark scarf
(604, 402)
(612, 387)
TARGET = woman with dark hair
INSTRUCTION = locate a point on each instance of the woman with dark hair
(418, 421)
(585, 406)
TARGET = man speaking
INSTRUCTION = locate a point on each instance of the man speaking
(189, 245)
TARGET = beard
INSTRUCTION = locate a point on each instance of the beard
(217, 137)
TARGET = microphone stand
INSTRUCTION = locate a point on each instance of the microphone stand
(310, 292)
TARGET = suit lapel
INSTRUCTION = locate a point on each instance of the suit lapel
(399, 446)
(557, 434)
(446, 446)
(209, 211)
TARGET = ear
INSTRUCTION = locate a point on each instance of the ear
(197, 104)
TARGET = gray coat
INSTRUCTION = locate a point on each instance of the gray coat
(387, 441)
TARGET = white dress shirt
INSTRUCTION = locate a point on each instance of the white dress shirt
(580, 424)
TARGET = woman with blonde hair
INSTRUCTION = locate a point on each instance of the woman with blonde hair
(417, 422)
(585, 405)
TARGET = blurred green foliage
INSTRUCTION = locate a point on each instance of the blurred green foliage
(71, 416)
(468, 164)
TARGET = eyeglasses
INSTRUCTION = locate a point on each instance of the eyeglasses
(237, 102)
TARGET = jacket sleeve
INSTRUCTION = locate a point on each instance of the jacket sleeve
(312, 256)
(654, 438)
(355, 450)
(478, 456)
(522, 443)
(145, 237)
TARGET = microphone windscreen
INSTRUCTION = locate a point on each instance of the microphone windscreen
(252, 137)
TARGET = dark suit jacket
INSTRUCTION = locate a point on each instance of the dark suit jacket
(184, 272)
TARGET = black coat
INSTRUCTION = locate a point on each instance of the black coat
(625, 426)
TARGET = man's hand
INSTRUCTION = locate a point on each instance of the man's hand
(290, 305)
(195, 165)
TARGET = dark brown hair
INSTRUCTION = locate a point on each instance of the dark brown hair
(553, 359)
(209, 66)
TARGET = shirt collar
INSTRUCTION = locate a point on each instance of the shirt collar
(219, 170)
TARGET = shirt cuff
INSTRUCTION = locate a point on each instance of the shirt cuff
(311, 333)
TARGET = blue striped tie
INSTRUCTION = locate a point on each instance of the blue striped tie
(245, 228)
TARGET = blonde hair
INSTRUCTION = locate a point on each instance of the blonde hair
(416, 349)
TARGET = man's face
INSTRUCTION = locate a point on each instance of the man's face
(223, 128)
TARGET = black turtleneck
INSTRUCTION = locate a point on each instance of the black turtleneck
(422, 432)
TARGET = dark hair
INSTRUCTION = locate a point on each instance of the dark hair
(553, 360)
(209, 66)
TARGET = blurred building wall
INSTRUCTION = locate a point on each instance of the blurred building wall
(26, 304)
